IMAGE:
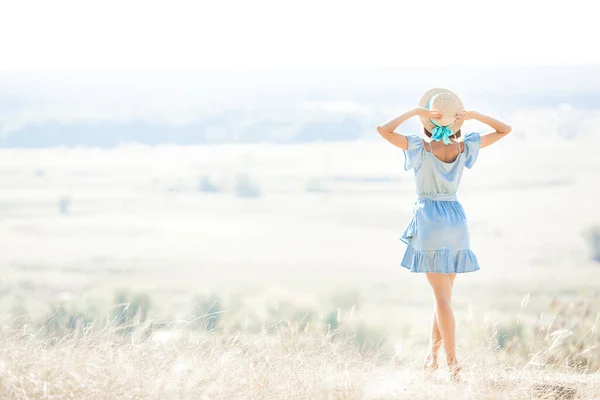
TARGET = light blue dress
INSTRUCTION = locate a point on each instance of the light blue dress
(437, 235)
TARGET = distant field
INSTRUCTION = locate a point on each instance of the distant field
(303, 223)
(268, 239)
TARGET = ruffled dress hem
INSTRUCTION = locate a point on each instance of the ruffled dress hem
(440, 261)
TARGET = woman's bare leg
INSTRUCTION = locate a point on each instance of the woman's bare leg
(444, 317)
(436, 337)
(435, 344)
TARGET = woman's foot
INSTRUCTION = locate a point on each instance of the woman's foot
(430, 366)
(454, 371)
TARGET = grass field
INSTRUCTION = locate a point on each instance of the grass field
(281, 363)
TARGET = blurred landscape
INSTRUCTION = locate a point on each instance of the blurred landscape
(277, 105)
(248, 200)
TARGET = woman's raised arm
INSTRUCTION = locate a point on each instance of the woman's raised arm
(386, 130)
(500, 128)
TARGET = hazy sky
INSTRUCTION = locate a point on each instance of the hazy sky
(216, 34)
(250, 59)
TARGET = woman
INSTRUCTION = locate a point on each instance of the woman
(437, 237)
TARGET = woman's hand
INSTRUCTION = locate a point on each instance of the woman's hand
(426, 113)
(467, 115)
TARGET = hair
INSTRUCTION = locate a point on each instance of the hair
(456, 135)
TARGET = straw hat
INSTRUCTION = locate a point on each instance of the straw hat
(447, 103)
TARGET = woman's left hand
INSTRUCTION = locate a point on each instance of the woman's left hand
(466, 115)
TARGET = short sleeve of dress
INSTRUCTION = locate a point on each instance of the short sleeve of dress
(472, 143)
(413, 157)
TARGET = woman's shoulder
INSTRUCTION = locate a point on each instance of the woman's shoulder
(472, 137)
(469, 140)
(414, 154)
(415, 141)
(471, 145)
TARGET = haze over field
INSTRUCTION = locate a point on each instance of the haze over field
(310, 218)
(277, 179)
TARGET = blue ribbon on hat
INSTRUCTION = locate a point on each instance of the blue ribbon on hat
(440, 132)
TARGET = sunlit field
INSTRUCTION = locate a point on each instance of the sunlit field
(273, 271)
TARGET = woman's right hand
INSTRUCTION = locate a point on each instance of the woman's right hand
(427, 113)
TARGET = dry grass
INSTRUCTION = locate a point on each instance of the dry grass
(283, 364)
(556, 357)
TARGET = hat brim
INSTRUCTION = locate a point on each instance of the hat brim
(450, 110)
